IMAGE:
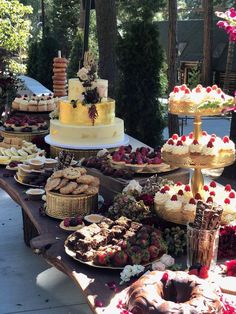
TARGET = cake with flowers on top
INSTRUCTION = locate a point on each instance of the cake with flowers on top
(87, 117)
(178, 204)
(209, 150)
(201, 100)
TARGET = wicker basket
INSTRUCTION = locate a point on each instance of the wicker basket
(61, 206)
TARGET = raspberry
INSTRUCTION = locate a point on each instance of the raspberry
(190, 135)
(208, 89)
(206, 188)
(195, 142)
(187, 188)
(183, 138)
(192, 201)
(226, 139)
(198, 196)
(219, 91)
(193, 272)
(163, 191)
(179, 143)
(167, 188)
(183, 87)
(204, 133)
(227, 201)
(213, 184)
(170, 142)
(210, 199)
(210, 144)
(231, 195)
(180, 192)
(174, 198)
(213, 193)
(176, 89)
(175, 136)
(203, 273)
(198, 90)
(187, 91)
(212, 139)
(179, 183)
(228, 188)
(214, 87)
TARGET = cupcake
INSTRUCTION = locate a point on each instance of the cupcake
(227, 146)
(16, 102)
(23, 106)
(33, 104)
(42, 105)
(180, 149)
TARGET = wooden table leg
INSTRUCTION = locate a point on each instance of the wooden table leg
(28, 228)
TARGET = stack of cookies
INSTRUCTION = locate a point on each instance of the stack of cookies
(59, 77)
(71, 192)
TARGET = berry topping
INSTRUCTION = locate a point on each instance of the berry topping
(162, 191)
(199, 85)
(198, 196)
(180, 192)
(183, 138)
(226, 139)
(176, 89)
(208, 89)
(175, 136)
(212, 193)
(206, 188)
(193, 272)
(231, 195)
(210, 199)
(198, 90)
(167, 188)
(212, 139)
(170, 142)
(195, 142)
(214, 87)
(219, 91)
(187, 91)
(203, 273)
(228, 188)
(187, 188)
(210, 144)
(192, 201)
(165, 277)
(227, 201)
(213, 135)
(179, 143)
(204, 133)
(174, 198)
(183, 87)
(179, 183)
(213, 184)
(190, 135)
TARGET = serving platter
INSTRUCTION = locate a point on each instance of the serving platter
(27, 184)
(71, 228)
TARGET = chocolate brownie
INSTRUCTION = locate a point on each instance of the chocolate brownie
(85, 256)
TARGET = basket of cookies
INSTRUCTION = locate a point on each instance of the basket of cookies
(71, 192)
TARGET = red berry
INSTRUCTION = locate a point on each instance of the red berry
(219, 91)
(183, 87)
(226, 139)
(175, 136)
(208, 89)
(204, 133)
(176, 89)
(174, 198)
(212, 139)
(231, 195)
(210, 199)
(227, 201)
(190, 135)
(203, 273)
(206, 188)
(213, 193)
(179, 183)
(198, 196)
(165, 277)
(213, 184)
(187, 188)
(179, 143)
(167, 188)
(170, 142)
(180, 192)
(214, 87)
(163, 191)
(195, 142)
(187, 91)
(193, 272)
(228, 188)
(183, 138)
(198, 90)
(192, 201)
(210, 144)
(199, 85)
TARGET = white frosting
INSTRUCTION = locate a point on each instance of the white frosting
(189, 207)
(168, 148)
(180, 150)
(161, 198)
(23, 102)
(210, 151)
(173, 205)
(195, 148)
(228, 146)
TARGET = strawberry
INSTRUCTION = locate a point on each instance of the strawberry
(174, 198)
(102, 258)
(187, 91)
(180, 192)
(204, 133)
(203, 273)
(198, 196)
(183, 87)
(195, 142)
(213, 193)
(187, 188)
(175, 136)
(227, 201)
(208, 89)
(209, 199)
(183, 138)
(179, 143)
(192, 201)
(154, 251)
(165, 277)
(210, 144)
(226, 139)
(167, 188)
(206, 188)
(228, 188)
(193, 272)
(170, 142)
(179, 183)
(176, 89)
(213, 184)
(120, 259)
(214, 87)
(231, 195)
(190, 135)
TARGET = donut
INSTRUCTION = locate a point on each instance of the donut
(59, 65)
(59, 82)
(58, 87)
(60, 94)
(163, 292)
(60, 60)
(58, 70)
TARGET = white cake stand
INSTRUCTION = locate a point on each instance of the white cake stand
(80, 151)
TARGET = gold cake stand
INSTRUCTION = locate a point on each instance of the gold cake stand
(198, 162)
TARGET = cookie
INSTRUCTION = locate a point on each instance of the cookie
(95, 182)
(85, 179)
(69, 188)
(57, 174)
(52, 183)
(82, 170)
(62, 184)
(91, 190)
(81, 188)
(71, 173)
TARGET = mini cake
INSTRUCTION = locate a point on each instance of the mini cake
(16, 102)
(35, 103)
(201, 100)
(209, 150)
(24, 124)
(23, 106)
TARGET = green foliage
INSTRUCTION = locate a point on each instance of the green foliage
(139, 59)
(8, 89)
(194, 77)
(32, 61)
(14, 25)
(75, 56)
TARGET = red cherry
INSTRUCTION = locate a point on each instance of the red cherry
(210, 144)
(187, 188)
(180, 192)
(206, 188)
(179, 183)
(204, 133)
(190, 135)
(167, 188)
(213, 193)
(227, 201)
(228, 188)
(174, 198)
(175, 136)
(231, 195)
(195, 142)
(179, 143)
(170, 142)
(214, 87)
(192, 201)
(208, 89)
(198, 196)
(213, 184)
(210, 199)
(176, 89)
(212, 139)
(226, 139)
(198, 90)
(183, 138)
(183, 87)
(163, 191)
(187, 91)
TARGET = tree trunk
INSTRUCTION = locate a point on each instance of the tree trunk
(107, 39)
(229, 64)
(207, 42)
(81, 15)
(173, 122)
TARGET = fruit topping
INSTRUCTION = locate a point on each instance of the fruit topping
(195, 142)
(180, 192)
(210, 144)
(163, 191)
(187, 188)
(183, 87)
(190, 135)
(192, 201)
(198, 196)
(227, 201)
(174, 198)
(208, 89)
(204, 133)
(210, 199)
(226, 139)
(213, 184)
(213, 193)
(179, 143)
(214, 87)
(179, 183)
(206, 188)
(176, 89)
(183, 138)
(231, 195)
(175, 136)
(228, 188)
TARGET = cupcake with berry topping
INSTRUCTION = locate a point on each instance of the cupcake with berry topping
(16, 102)
(227, 146)
(23, 105)
(209, 149)
(181, 149)
(50, 103)
(195, 147)
(42, 104)
(173, 208)
(33, 103)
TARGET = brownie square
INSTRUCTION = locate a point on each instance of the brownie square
(85, 256)
(84, 245)
(123, 221)
(98, 240)
(118, 231)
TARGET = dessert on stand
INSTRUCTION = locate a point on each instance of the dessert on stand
(85, 122)
(35, 103)
(198, 150)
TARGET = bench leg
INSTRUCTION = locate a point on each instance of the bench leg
(29, 229)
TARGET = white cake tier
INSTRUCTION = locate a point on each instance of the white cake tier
(87, 135)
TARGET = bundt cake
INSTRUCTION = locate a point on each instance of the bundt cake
(172, 292)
